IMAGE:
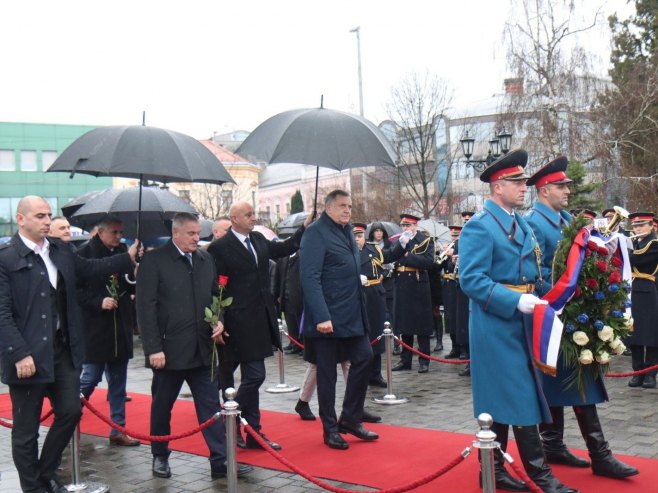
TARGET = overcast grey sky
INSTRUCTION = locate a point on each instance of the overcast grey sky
(199, 66)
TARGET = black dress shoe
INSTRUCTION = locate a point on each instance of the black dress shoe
(453, 354)
(649, 382)
(378, 382)
(304, 410)
(220, 470)
(437, 348)
(253, 444)
(505, 481)
(334, 440)
(161, 467)
(611, 467)
(636, 381)
(54, 486)
(368, 417)
(463, 356)
(564, 456)
(423, 367)
(401, 366)
(357, 430)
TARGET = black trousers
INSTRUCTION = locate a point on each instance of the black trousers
(27, 404)
(359, 354)
(644, 357)
(165, 387)
(423, 347)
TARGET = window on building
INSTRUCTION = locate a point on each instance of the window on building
(7, 160)
(47, 159)
(28, 160)
(278, 211)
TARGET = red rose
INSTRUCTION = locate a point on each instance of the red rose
(603, 251)
(602, 266)
(222, 281)
(578, 292)
(614, 277)
(616, 261)
(588, 253)
(592, 284)
(592, 246)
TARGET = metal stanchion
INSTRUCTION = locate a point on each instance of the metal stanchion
(77, 485)
(230, 411)
(282, 386)
(487, 444)
(390, 398)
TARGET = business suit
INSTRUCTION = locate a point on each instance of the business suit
(171, 298)
(330, 270)
(46, 323)
(251, 319)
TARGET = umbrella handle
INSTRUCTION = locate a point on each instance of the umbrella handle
(128, 280)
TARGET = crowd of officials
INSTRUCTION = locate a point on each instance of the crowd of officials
(67, 318)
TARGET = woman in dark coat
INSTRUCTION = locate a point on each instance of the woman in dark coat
(644, 295)
(379, 236)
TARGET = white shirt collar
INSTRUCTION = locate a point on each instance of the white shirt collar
(44, 252)
(239, 236)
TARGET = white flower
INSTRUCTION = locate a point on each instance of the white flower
(614, 344)
(619, 350)
(586, 357)
(606, 333)
(603, 357)
(580, 338)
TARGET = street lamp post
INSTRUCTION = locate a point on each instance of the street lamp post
(499, 144)
(357, 30)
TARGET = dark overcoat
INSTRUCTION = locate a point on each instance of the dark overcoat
(330, 270)
(25, 309)
(461, 309)
(413, 297)
(171, 298)
(108, 333)
(449, 294)
(251, 320)
(644, 260)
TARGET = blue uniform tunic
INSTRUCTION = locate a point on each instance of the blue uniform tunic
(547, 225)
(496, 249)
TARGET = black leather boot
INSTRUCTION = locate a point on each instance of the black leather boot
(603, 462)
(532, 455)
(552, 438)
(504, 480)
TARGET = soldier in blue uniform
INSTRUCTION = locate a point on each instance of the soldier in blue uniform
(413, 299)
(372, 259)
(498, 268)
(547, 218)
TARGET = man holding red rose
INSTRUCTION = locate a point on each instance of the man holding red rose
(547, 218)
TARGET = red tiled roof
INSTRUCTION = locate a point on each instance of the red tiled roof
(223, 154)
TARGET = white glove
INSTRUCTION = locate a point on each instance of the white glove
(405, 237)
(527, 303)
(364, 280)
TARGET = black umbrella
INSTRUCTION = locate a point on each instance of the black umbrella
(391, 228)
(138, 151)
(71, 207)
(319, 137)
(157, 210)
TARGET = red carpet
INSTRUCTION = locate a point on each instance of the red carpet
(400, 456)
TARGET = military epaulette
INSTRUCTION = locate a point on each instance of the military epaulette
(425, 243)
(644, 249)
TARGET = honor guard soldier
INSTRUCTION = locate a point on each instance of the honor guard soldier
(450, 293)
(461, 308)
(498, 269)
(372, 259)
(644, 263)
(547, 218)
(413, 299)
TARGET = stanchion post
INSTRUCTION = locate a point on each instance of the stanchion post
(77, 485)
(230, 411)
(487, 445)
(390, 398)
(282, 386)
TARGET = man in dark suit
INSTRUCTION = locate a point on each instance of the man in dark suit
(335, 319)
(244, 257)
(109, 323)
(41, 340)
(175, 283)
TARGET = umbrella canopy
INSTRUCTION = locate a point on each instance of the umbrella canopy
(435, 229)
(71, 207)
(206, 229)
(265, 231)
(390, 227)
(139, 151)
(319, 137)
(158, 208)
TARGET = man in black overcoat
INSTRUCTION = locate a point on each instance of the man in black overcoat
(244, 256)
(41, 339)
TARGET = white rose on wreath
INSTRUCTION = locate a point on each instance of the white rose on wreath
(580, 338)
(603, 357)
(606, 333)
(586, 357)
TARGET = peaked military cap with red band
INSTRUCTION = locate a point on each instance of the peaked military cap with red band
(585, 212)
(455, 230)
(467, 215)
(641, 217)
(552, 173)
(607, 212)
(508, 167)
(358, 228)
(409, 219)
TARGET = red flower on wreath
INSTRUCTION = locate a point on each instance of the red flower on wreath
(616, 261)
(592, 246)
(592, 283)
(602, 266)
(222, 280)
(588, 253)
(614, 277)
(579, 292)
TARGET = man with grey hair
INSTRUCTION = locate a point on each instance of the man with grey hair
(175, 283)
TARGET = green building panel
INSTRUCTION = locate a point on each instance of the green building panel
(26, 151)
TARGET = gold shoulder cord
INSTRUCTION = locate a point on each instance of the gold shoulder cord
(377, 262)
(425, 244)
(538, 258)
(642, 251)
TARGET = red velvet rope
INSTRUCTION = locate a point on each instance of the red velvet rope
(440, 360)
(301, 346)
(149, 438)
(7, 424)
(329, 487)
(520, 472)
(633, 373)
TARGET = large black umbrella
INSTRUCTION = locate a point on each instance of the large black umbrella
(319, 137)
(390, 227)
(157, 210)
(146, 153)
(72, 206)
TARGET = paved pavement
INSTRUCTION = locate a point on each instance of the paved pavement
(440, 400)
